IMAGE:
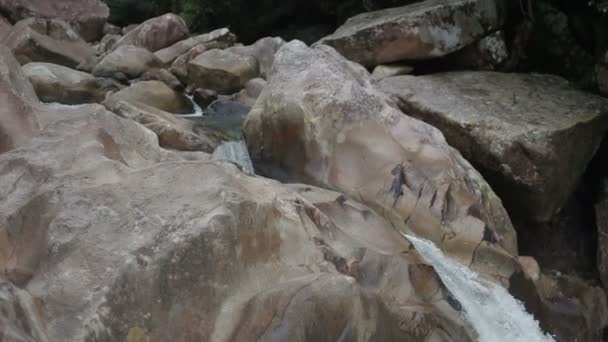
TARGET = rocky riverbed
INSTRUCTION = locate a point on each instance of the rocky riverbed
(392, 181)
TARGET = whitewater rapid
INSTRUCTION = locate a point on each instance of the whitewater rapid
(492, 312)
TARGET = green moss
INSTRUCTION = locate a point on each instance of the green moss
(137, 334)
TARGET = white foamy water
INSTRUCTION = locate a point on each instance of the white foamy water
(198, 111)
(494, 314)
(236, 152)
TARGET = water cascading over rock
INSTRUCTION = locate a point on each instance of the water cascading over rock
(494, 314)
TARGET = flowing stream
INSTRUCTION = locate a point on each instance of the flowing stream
(494, 314)
(236, 152)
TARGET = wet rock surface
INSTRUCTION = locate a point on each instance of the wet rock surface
(320, 121)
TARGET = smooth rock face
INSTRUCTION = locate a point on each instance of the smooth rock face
(17, 119)
(422, 30)
(173, 132)
(127, 59)
(87, 17)
(29, 42)
(156, 94)
(5, 27)
(164, 76)
(263, 50)
(223, 71)
(56, 83)
(179, 67)
(253, 89)
(20, 316)
(320, 120)
(156, 33)
(131, 243)
(531, 136)
(169, 54)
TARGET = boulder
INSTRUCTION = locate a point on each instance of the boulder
(106, 43)
(173, 132)
(20, 321)
(422, 30)
(571, 309)
(5, 27)
(489, 53)
(18, 121)
(29, 42)
(127, 59)
(54, 28)
(321, 121)
(111, 29)
(155, 94)
(262, 50)
(221, 70)
(388, 70)
(221, 36)
(156, 33)
(132, 242)
(87, 17)
(253, 89)
(531, 135)
(164, 76)
(56, 83)
(179, 67)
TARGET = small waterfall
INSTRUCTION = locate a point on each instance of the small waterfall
(494, 314)
(236, 152)
(198, 111)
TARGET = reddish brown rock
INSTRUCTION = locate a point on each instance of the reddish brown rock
(87, 17)
(320, 120)
(221, 36)
(17, 119)
(48, 41)
(156, 33)
(422, 30)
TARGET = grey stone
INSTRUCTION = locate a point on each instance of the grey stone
(530, 135)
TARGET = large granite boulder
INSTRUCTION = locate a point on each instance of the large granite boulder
(158, 95)
(87, 17)
(56, 83)
(48, 41)
(262, 50)
(221, 70)
(156, 33)
(132, 242)
(321, 121)
(422, 30)
(531, 135)
(169, 54)
(18, 122)
(19, 315)
(5, 27)
(173, 132)
(130, 60)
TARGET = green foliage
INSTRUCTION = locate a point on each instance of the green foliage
(600, 6)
